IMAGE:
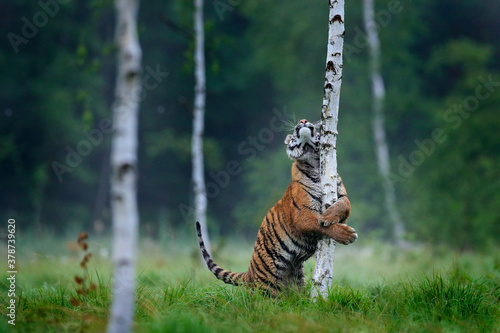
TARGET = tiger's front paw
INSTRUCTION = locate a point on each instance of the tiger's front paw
(336, 213)
(327, 222)
(344, 234)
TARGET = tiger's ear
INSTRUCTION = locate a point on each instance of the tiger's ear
(288, 138)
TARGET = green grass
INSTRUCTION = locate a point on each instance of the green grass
(377, 289)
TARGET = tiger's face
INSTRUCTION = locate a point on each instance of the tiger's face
(303, 144)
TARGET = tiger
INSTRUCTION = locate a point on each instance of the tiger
(290, 231)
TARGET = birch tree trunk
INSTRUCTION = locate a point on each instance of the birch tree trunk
(200, 194)
(124, 166)
(381, 147)
(323, 271)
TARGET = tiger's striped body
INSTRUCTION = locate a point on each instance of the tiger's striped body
(290, 231)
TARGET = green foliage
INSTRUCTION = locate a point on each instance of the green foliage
(467, 185)
(254, 207)
(261, 56)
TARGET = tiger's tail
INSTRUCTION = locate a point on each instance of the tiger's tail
(220, 273)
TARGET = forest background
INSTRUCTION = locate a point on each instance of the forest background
(265, 70)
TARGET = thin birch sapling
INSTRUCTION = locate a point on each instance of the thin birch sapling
(323, 270)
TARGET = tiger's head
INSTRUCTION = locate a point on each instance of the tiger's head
(303, 144)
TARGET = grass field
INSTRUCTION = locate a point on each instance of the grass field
(377, 289)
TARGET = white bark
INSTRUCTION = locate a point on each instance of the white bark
(200, 194)
(381, 147)
(124, 166)
(323, 271)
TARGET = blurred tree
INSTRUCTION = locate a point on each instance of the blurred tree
(124, 166)
(378, 120)
(200, 193)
